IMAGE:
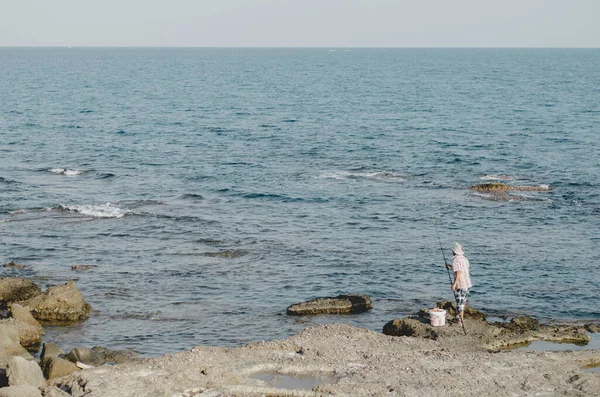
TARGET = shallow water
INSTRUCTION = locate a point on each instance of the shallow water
(541, 345)
(281, 381)
(212, 188)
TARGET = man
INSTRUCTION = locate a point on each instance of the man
(462, 279)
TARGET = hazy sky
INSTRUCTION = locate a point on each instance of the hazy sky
(301, 23)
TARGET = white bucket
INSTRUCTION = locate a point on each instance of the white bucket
(437, 319)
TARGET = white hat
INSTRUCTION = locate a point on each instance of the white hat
(458, 250)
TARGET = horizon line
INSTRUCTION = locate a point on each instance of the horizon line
(294, 47)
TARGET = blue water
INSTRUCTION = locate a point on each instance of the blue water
(312, 172)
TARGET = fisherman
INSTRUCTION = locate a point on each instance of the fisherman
(462, 279)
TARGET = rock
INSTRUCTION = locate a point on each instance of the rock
(450, 308)
(13, 265)
(497, 187)
(56, 367)
(82, 267)
(229, 254)
(593, 328)
(523, 323)
(19, 312)
(17, 289)
(53, 391)
(20, 391)
(51, 350)
(29, 335)
(115, 356)
(86, 356)
(491, 187)
(342, 304)
(9, 342)
(409, 327)
(21, 372)
(61, 302)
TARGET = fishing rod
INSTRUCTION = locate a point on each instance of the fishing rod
(462, 322)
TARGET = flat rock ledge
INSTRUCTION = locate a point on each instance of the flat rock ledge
(520, 330)
(341, 360)
(342, 304)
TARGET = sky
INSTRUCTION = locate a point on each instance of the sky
(301, 23)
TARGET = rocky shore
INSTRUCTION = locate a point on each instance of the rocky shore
(409, 358)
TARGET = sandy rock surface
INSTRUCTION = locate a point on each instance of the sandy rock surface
(343, 360)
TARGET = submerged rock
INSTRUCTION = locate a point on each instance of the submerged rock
(13, 289)
(494, 187)
(491, 187)
(228, 254)
(62, 303)
(342, 304)
(80, 268)
(13, 265)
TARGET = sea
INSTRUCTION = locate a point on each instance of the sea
(208, 189)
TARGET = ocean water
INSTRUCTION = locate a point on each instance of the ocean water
(212, 188)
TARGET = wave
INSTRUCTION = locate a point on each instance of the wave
(65, 171)
(191, 196)
(7, 181)
(382, 176)
(107, 210)
(131, 204)
(497, 177)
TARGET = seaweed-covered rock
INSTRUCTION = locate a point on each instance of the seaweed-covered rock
(523, 323)
(450, 308)
(13, 289)
(342, 304)
(409, 327)
(62, 303)
(593, 328)
(497, 187)
(491, 187)
(13, 265)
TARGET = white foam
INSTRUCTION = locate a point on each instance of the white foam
(496, 177)
(65, 171)
(107, 210)
(385, 176)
